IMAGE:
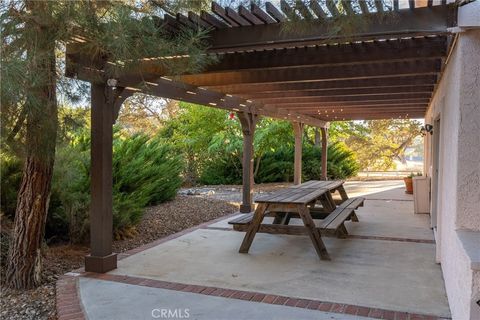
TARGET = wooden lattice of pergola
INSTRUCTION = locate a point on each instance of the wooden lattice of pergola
(388, 69)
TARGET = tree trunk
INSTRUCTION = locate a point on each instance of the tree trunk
(24, 262)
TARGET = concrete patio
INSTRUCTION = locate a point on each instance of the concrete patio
(386, 269)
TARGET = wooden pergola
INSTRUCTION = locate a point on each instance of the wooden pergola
(388, 69)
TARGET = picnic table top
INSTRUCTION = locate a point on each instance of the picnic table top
(301, 194)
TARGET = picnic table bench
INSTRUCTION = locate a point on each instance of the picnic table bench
(301, 201)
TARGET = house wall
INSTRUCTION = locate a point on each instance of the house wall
(457, 103)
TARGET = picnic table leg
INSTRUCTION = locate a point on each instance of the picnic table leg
(286, 218)
(326, 203)
(282, 218)
(342, 231)
(331, 202)
(343, 193)
(254, 226)
(313, 232)
(354, 217)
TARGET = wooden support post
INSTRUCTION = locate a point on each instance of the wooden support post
(248, 122)
(101, 258)
(297, 173)
(324, 153)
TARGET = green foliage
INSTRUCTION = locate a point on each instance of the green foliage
(11, 175)
(211, 141)
(191, 133)
(342, 161)
(377, 143)
(146, 172)
(70, 196)
(277, 166)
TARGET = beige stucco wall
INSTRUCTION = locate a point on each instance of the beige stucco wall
(457, 103)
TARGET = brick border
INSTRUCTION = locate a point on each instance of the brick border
(259, 297)
(68, 303)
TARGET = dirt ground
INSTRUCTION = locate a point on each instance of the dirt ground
(159, 221)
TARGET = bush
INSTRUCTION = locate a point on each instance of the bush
(145, 172)
(226, 169)
(277, 166)
(11, 176)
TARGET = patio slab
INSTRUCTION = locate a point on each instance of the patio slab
(391, 275)
(377, 269)
(137, 302)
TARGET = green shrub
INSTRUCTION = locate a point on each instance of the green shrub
(342, 162)
(277, 165)
(10, 178)
(226, 169)
(146, 171)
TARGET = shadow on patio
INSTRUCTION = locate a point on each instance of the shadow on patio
(386, 269)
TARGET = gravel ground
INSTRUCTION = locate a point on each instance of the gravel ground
(159, 221)
(231, 193)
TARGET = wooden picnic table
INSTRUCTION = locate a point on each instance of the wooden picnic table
(301, 201)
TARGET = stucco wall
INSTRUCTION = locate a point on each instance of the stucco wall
(456, 102)
(468, 211)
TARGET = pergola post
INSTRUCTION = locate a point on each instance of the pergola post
(248, 122)
(297, 166)
(324, 153)
(101, 258)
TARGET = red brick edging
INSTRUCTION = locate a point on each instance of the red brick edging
(266, 298)
(69, 306)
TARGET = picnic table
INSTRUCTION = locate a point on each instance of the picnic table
(309, 201)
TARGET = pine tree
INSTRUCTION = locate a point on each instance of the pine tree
(34, 35)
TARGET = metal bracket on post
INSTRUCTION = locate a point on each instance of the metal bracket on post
(248, 121)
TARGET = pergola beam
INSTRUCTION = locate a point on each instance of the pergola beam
(305, 107)
(343, 54)
(315, 74)
(384, 103)
(394, 82)
(421, 21)
(346, 99)
(168, 88)
(419, 115)
(361, 92)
